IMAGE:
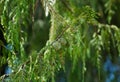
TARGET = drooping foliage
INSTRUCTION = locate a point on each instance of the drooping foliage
(83, 33)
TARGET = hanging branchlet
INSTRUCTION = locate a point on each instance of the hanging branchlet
(46, 4)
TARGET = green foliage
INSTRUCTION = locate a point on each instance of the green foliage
(75, 35)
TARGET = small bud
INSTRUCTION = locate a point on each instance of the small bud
(62, 41)
(56, 45)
